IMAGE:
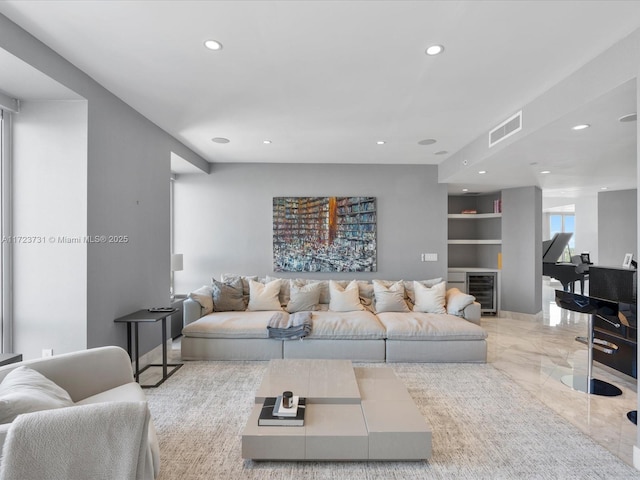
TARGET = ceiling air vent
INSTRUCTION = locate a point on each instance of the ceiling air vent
(511, 125)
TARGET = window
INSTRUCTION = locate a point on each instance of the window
(560, 223)
(5, 229)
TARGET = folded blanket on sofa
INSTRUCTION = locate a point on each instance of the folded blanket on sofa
(97, 441)
(284, 326)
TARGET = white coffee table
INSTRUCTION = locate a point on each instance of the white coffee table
(352, 414)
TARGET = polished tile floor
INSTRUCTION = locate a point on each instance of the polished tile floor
(537, 351)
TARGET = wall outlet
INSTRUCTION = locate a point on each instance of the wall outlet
(47, 352)
(429, 257)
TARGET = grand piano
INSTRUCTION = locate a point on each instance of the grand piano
(567, 273)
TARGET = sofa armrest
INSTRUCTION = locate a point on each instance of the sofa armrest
(472, 313)
(192, 311)
(83, 373)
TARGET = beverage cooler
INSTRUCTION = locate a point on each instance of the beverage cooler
(484, 286)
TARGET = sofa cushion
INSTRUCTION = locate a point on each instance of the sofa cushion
(204, 296)
(389, 297)
(344, 299)
(430, 299)
(429, 326)
(129, 392)
(358, 325)
(458, 301)
(25, 390)
(227, 296)
(246, 324)
(303, 297)
(264, 296)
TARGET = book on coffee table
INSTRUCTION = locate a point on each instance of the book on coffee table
(269, 414)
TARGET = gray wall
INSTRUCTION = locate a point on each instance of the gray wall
(127, 193)
(224, 220)
(617, 226)
(50, 201)
(521, 275)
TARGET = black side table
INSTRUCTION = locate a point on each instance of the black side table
(145, 316)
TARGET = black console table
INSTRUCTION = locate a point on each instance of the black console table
(145, 316)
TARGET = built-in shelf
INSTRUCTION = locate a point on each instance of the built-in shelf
(474, 216)
(475, 242)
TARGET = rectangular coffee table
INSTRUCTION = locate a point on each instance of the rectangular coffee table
(352, 414)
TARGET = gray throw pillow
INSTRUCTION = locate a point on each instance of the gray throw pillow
(304, 298)
(227, 296)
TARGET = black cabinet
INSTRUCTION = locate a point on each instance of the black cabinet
(176, 318)
(618, 285)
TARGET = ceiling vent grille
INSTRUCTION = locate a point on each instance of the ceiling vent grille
(507, 128)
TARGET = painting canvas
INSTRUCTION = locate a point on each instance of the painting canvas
(324, 234)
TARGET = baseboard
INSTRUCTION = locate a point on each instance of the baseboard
(636, 457)
(520, 316)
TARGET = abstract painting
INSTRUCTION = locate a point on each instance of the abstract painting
(324, 234)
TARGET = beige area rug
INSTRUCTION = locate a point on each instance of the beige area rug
(484, 427)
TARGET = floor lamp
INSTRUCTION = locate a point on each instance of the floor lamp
(605, 310)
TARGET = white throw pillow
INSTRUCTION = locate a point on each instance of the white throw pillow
(345, 299)
(304, 298)
(204, 296)
(430, 299)
(391, 298)
(25, 390)
(458, 301)
(264, 296)
(427, 283)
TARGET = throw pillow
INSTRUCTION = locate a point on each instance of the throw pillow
(204, 296)
(303, 297)
(410, 292)
(458, 301)
(25, 390)
(430, 299)
(285, 294)
(227, 296)
(391, 298)
(345, 299)
(264, 297)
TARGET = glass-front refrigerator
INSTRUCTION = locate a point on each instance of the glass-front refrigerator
(484, 286)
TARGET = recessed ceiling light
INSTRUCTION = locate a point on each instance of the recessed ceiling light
(604, 188)
(544, 172)
(581, 126)
(213, 45)
(441, 152)
(220, 140)
(266, 142)
(465, 189)
(482, 172)
(381, 142)
(631, 117)
(434, 50)
(427, 141)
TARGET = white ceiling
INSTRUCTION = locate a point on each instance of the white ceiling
(325, 80)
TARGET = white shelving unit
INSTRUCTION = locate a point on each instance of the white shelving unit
(474, 216)
(475, 244)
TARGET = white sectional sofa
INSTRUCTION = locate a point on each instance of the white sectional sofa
(378, 327)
